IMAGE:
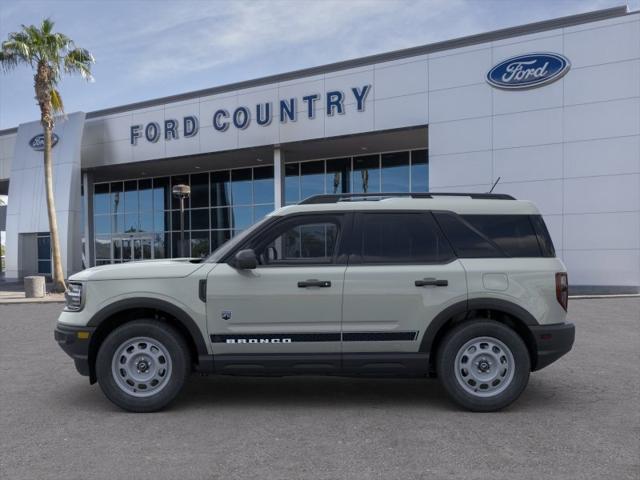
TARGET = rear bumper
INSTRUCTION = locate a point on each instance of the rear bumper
(552, 342)
(74, 345)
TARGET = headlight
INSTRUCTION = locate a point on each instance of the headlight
(73, 297)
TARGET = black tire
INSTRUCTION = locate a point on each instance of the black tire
(174, 345)
(452, 344)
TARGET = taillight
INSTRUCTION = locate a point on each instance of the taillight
(562, 289)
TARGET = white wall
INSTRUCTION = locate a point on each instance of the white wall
(7, 145)
(27, 208)
(573, 146)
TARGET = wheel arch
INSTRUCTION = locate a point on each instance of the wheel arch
(123, 311)
(502, 311)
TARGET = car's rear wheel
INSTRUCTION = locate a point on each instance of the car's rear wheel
(142, 365)
(483, 365)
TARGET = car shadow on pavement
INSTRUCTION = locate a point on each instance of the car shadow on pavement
(222, 392)
(312, 391)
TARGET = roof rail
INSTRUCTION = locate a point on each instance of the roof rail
(338, 197)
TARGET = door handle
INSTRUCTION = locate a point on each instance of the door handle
(314, 283)
(427, 282)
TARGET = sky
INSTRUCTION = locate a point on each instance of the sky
(146, 49)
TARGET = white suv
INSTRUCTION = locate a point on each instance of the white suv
(465, 287)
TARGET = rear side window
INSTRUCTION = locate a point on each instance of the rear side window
(514, 234)
(544, 239)
(466, 240)
(488, 236)
(408, 238)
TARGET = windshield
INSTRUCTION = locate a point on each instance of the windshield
(223, 249)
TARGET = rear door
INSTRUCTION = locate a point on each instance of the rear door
(402, 272)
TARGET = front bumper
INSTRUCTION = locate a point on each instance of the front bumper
(552, 342)
(75, 342)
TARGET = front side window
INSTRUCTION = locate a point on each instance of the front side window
(409, 238)
(304, 241)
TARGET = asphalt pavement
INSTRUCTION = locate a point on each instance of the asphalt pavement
(578, 419)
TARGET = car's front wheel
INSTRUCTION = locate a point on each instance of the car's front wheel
(483, 365)
(142, 365)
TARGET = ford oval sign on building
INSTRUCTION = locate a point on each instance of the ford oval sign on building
(37, 142)
(528, 71)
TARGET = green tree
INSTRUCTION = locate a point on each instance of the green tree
(49, 54)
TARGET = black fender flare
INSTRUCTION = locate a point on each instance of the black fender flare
(465, 306)
(156, 304)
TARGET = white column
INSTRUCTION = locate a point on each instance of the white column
(87, 186)
(278, 176)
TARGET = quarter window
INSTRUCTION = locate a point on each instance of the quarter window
(514, 234)
(493, 236)
(402, 238)
(467, 241)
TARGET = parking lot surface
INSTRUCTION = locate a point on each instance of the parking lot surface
(578, 418)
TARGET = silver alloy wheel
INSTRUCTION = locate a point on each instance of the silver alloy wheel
(484, 367)
(141, 366)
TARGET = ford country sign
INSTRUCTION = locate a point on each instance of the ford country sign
(528, 71)
(285, 110)
(37, 142)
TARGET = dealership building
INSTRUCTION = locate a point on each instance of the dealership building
(551, 108)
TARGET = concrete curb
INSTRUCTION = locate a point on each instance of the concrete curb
(18, 300)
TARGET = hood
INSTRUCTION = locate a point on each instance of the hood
(176, 268)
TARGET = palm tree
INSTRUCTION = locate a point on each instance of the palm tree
(50, 55)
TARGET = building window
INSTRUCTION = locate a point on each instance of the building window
(140, 219)
(44, 253)
(404, 171)
(395, 172)
(419, 171)
(337, 178)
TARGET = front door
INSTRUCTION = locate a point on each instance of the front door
(401, 274)
(290, 304)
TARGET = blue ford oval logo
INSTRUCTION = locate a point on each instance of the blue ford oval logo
(528, 71)
(37, 142)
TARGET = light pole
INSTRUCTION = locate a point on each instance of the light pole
(182, 192)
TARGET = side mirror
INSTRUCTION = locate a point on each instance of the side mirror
(245, 260)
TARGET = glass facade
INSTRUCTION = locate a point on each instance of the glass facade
(140, 219)
(405, 171)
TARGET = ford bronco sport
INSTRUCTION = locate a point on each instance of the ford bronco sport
(465, 287)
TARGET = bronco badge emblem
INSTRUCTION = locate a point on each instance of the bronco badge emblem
(226, 315)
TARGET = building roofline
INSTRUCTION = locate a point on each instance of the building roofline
(459, 42)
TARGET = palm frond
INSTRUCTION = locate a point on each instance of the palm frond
(33, 37)
(47, 26)
(20, 46)
(8, 60)
(56, 101)
(79, 60)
